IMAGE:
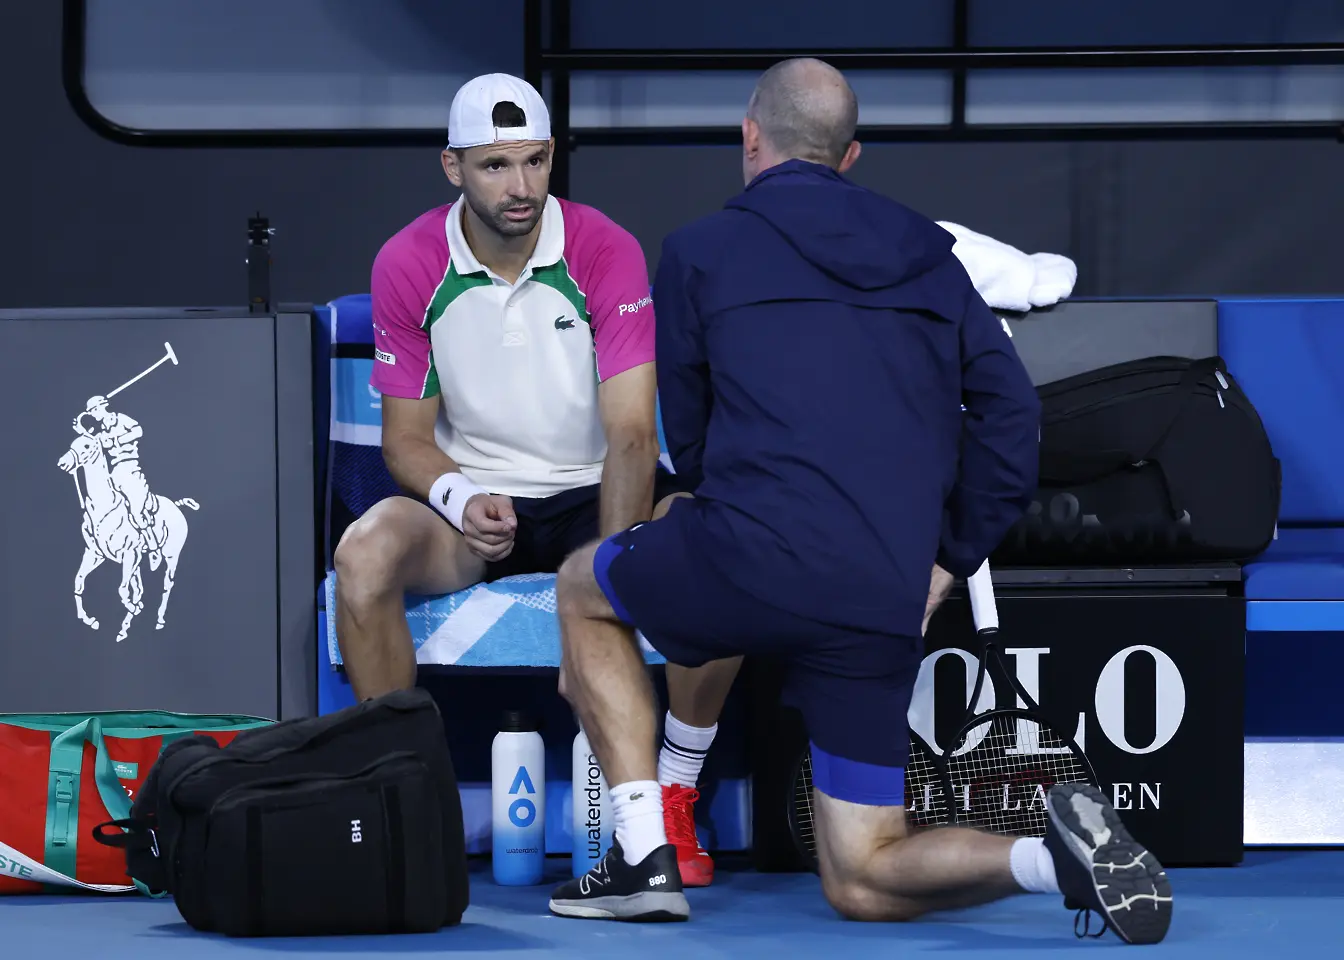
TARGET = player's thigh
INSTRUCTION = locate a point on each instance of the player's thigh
(659, 578)
(569, 521)
(860, 744)
(403, 544)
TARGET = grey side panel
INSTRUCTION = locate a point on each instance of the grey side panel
(1077, 336)
(296, 532)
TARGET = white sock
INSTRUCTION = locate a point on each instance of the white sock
(637, 812)
(1033, 867)
(683, 753)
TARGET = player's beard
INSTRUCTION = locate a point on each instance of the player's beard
(501, 224)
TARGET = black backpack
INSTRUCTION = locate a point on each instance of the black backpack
(350, 823)
(1161, 460)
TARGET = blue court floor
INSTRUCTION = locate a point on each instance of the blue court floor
(1290, 901)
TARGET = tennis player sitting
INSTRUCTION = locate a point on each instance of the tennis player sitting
(815, 344)
(514, 354)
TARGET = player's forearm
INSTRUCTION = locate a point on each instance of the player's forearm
(627, 483)
(415, 463)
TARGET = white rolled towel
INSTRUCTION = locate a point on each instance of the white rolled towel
(1007, 278)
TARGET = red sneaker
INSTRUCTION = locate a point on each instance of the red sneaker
(697, 869)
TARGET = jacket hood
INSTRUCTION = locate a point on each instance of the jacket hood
(855, 236)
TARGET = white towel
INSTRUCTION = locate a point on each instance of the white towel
(1007, 278)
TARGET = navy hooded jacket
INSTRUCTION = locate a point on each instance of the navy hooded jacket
(816, 342)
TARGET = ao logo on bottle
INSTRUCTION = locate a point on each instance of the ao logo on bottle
(522, 811)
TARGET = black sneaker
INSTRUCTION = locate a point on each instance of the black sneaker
(648, 892)
(1102, 869)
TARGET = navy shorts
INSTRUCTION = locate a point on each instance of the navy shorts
(853, 689)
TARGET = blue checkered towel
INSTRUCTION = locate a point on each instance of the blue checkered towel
(508, 623)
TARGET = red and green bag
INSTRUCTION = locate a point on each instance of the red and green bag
(62, 774)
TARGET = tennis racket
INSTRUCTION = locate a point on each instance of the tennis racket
(1001, 763)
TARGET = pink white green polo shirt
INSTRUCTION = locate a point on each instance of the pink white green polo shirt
(516, 366)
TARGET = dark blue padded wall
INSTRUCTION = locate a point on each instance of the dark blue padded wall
(1289, 357)
(1286, 354)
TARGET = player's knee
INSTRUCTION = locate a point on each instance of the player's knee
(372, 551)
(574, 584)
(855, 899)
(847, 897)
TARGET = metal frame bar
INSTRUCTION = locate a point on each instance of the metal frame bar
(954, 58)
(961, 43)
(973, 133)
(960, 58)
(533, 46)
(559, 60)
(561, 35)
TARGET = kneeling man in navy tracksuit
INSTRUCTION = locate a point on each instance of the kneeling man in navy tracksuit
(816, 344)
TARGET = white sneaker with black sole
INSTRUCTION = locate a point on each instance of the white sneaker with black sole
(1102, 869)
(648, 892)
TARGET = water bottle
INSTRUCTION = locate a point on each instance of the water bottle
(591, 830)
(518, 801)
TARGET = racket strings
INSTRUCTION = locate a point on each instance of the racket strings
(1003, 767)
(925, 798)
(1001, 770)
(802, 806)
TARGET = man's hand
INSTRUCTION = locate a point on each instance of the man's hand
(940, 583)
(489, 523)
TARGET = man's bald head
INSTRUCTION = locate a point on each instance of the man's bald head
(806, 110)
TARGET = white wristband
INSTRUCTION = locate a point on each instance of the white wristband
(450, 494)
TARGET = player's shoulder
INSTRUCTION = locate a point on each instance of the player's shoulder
(410, 266)
(590, 232)
(420, 244)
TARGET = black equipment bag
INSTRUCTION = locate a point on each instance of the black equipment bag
(1151, 461)
(349, 823)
